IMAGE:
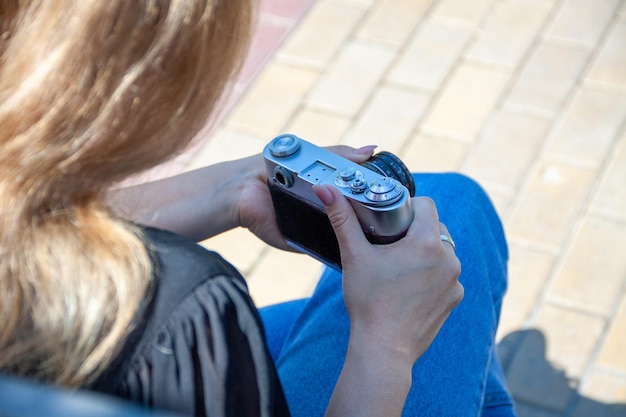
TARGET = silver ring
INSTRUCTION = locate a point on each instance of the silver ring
(448, 239)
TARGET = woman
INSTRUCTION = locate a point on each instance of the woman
(97, 294)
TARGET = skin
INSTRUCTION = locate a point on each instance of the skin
(396, 308)
(208, 201)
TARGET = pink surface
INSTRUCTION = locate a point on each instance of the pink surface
(275, 21)
(290, 9)
(268, 36)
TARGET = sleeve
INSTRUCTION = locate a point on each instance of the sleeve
(208, 358)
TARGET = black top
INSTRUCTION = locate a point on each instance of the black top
(198, 345)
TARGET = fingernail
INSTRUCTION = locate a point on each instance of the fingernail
(366, 150)
(323, 193)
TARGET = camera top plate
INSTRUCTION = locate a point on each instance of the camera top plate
(382, 204)
(296, 158)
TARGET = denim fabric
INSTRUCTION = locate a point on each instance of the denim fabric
(459, 375)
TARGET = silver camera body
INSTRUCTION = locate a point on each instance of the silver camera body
(381, 203)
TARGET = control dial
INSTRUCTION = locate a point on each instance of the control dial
(383, 191)
(347, 176)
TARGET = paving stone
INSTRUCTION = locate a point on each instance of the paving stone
(466, 102)
(590, 279)
(429, 154)
(230, 244)
(500, 199)
(610, 67)
(610, 198)
(473, 11)
(272, 99)
(323, 129)
(529, 269)
(268, 36)
(533, 379)
(549, 76)
(548, 207)
(282, 276)
(590, 126)
(510, 31)
(388, 118)
(351, 77)
(590, 407)
(508, 146)
(571, 337)
(612, 354)
(431, 54)
(292, 9)
(360, 4)
(320, 35)
(392, 21)
(227, 144)
(603, 394)
(583, 20)
(556, 350)
(525, 410)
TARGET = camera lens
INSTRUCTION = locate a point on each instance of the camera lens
(389, 165)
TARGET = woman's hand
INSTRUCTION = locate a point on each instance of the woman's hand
(398, 296)
(205, 202)
(255, 210)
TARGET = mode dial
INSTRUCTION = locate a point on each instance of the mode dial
(383, 191)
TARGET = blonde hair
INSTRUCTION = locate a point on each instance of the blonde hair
(91, 92)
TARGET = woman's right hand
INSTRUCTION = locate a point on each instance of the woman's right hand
(397, 295)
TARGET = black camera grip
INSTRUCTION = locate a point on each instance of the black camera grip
(305, 226)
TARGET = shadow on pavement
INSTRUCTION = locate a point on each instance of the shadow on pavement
(540, 390)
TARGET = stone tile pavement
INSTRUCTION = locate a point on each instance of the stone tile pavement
(526, 96)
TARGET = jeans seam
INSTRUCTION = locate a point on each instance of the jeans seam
(497, 399)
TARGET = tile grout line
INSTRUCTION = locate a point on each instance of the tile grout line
(542, 297)
(458, 62)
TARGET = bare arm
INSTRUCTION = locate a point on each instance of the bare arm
(197, 204)
(375, 381)
(208, 201)
(396, 307)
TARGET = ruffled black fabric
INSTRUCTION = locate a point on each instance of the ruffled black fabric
(199, 347)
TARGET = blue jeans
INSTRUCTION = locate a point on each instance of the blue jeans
(459, 375)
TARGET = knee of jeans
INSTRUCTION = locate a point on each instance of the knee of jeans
(467, 196)
(467, 184)
(459, 184)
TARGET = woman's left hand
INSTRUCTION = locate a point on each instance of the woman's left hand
(205, 202)
(255, 210)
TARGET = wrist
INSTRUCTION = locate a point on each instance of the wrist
(372, 341)
(248, 172)
(374, 381)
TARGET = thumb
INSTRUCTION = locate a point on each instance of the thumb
(342, 217)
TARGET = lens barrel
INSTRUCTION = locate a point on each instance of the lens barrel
(387, 164)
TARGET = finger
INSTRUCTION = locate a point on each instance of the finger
(425, 218)
(445, 236)
(355, 155)
(342, 217)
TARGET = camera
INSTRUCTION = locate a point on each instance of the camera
(379, 190)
